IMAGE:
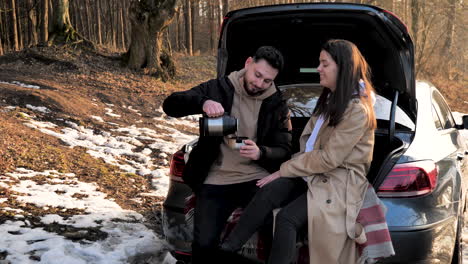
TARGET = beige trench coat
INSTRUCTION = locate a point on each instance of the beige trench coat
(337, 169)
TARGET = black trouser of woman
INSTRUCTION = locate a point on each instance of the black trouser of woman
(291, 195)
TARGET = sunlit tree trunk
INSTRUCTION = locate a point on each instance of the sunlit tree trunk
(98, 18)
(149, 18)
(14, 23)
(19, 26)
(33, 22)
(188, 27)
(44, 21)
(225, 7)
(121, 27)
(1, 42)
(62, 29)
(193, 11)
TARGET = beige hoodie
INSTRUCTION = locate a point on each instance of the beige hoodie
(230, 167)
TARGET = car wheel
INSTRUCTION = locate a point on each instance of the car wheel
(457, 257)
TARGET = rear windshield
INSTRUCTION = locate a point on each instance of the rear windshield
(302, 99)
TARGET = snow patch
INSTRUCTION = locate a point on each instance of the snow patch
(42, 109)
(22, 84)
(126, 237)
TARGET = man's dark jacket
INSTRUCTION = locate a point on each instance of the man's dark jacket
(273, 136)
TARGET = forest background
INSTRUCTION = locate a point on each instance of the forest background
(438, 29)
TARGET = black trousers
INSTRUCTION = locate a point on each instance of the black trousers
(214, 205)
(291, 195)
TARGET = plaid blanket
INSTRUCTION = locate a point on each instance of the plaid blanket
(378, 243)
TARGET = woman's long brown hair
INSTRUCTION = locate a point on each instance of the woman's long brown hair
(352, 67)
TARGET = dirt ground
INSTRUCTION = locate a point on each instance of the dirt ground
(76, 84)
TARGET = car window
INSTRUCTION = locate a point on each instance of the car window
(436, 118)
(303, 98)
(382, 108)
(443, 111)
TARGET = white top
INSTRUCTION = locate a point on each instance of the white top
(311, 141)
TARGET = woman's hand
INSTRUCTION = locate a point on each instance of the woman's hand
(268, 179)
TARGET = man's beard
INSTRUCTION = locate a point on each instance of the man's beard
(258, 92)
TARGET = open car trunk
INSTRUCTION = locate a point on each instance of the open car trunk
(299, 31)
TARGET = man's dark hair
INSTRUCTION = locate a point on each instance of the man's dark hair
(271, 55)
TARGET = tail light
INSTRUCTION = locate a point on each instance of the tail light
(410, 179)
(177, 166)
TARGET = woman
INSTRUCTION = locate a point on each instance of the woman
(322, 186)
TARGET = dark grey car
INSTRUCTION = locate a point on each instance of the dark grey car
(419, 164)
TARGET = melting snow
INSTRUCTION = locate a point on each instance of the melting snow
(128, 151)
(109, 112)
(126, 237)
(22, 84)
(42, 109)
(98, 118)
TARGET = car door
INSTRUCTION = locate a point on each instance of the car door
(445, 124)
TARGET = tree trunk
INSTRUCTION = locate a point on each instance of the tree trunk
(450, 33)
(415, 20)
(14, 23)
(450, 30)
(89, 25)
(149, 18)
(6, 28)
(178, 35)
(193, 11)
(32, 14)
(1, 42)
(1, 31)
(188, 27)
(20, 26)
(78, 17)
(98, 17)
(112, 26)
(62, 29)
(213, 20)
(225, 7)
(122, 26)
(44, 21)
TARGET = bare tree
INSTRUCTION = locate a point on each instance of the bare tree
(121, 27)
(89, 24)
(178, 29)
(112, 25)
(188, 26)
(20, 25)
(98, 18)
(193, 11)
(44, 21)
(450, 32)
(1, 44)
(1, 28)
(14, 22)
(32, 15)
(149, 18)
(225, 7)
(62, 29)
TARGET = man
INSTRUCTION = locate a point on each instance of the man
(224, 178)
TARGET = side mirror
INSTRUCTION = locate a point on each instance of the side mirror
(465, 122)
